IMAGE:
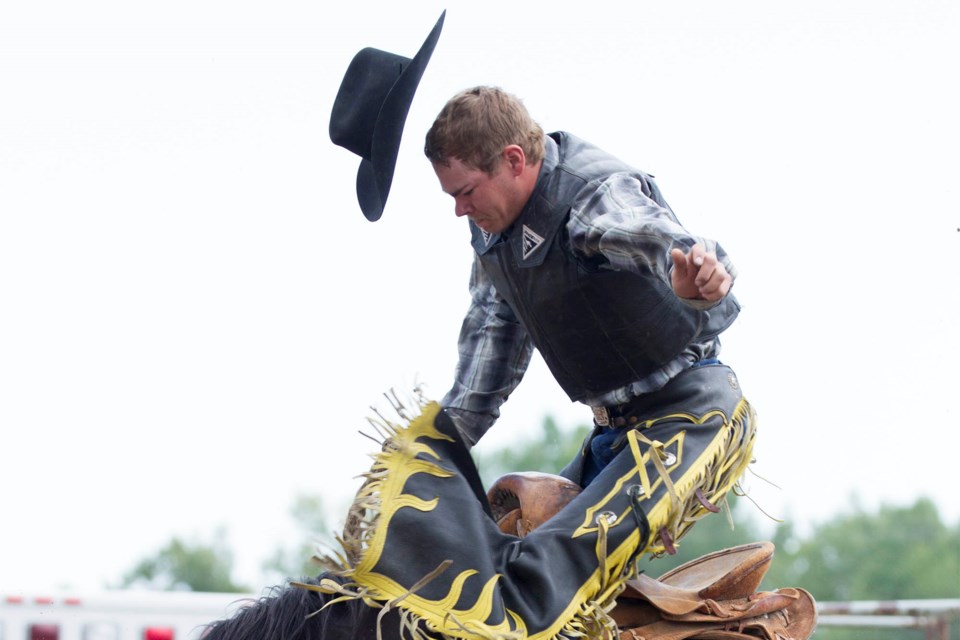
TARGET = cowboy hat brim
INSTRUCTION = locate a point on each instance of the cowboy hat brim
(375, 175)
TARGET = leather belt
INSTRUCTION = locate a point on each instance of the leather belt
(614, 417)
(693, 386)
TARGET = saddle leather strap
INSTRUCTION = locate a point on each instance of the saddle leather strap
(785, 614)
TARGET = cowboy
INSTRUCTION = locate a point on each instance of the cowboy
(577, 255)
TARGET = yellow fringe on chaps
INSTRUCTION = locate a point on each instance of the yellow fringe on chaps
(420, 536)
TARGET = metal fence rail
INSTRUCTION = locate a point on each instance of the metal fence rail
(931, 616)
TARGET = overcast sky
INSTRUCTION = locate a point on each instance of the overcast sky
(195, 316)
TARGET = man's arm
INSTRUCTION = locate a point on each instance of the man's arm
(626, 220)
(494, 354)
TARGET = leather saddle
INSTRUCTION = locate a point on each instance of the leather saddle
(713, 597)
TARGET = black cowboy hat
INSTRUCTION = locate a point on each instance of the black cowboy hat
(370, 111)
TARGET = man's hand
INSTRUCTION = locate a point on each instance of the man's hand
(699, 275)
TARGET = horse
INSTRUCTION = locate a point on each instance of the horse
(293, 612)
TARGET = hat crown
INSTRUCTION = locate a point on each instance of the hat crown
(369, 78)
(369, 113)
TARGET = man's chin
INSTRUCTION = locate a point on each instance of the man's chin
(487, 227)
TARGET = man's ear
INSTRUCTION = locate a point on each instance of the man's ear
(514, 159)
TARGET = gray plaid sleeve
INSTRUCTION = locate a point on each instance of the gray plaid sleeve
(494, 352)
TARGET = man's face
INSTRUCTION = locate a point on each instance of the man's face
(492, 202)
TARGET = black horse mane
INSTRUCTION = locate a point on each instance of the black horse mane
(290, 612)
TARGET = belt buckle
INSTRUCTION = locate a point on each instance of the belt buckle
(601, 416)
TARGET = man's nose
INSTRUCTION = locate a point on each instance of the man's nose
(461, 209)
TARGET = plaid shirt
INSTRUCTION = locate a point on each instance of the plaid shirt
(621, 221)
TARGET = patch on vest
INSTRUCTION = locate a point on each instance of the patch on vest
(531, 241)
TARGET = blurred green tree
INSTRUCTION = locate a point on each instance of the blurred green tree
(896, 553)
(310, 518)
(187, 566)
(549, 452)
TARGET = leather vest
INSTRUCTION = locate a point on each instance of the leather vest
(598, 329)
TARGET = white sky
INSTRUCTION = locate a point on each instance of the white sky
(195, 316)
